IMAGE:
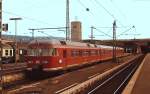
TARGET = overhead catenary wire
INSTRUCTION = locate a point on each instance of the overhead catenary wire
(97, 2)
(126, 31)
(49, 36)
(38, 29)
(116, 27)
(93, 15)
(109, 30)
(87, 8)
(103, 32)
(105, 9)
(131, 34)
(24, 17)
(82, 4)
(119, 10)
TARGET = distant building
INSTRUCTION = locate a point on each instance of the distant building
(76, 33)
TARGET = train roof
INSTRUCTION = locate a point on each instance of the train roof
(76, 44)
(69, 43)
(108, 47)
(59, 42)
(46, 41)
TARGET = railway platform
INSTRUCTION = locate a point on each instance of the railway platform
(139, 83)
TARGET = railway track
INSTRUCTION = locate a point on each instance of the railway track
(117, 81)
(31, 83)
(104, 83)
(13, 73)
(13, 68)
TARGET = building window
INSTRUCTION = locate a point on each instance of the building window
(74, 26)
(6, 52)
(11, 53)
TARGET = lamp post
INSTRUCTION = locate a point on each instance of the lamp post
(16, 50)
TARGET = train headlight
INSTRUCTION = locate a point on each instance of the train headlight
(37, 62)
(60, 61)
(29, 61)
(45, 62)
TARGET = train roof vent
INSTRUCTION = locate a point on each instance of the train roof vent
(63, 42)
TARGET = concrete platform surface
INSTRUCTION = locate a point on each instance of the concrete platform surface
(142, 83)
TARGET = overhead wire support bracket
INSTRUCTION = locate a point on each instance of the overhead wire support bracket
(48, 28)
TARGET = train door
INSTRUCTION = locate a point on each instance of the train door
(100, 54)
(65, 57)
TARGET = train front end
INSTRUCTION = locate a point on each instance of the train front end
(40, 55)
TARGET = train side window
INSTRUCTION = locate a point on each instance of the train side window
(86, 53)
(73, 53)
(97, 52)
(77, 52)
(89, 53)
(6, 52)
(100, 52)
(80, 53)
(103, 51)
(64, 53)
(45, 52)
(92, 52)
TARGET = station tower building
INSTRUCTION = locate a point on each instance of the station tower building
(76, 32)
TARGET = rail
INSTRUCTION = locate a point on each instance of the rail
(89, 83)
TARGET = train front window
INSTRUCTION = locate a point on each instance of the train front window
(52, 52)
(43, 52)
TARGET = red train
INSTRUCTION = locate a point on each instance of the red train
(52, 55)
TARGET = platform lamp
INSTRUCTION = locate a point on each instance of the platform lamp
(16, 48)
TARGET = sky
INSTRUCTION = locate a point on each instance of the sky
(101, 14)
